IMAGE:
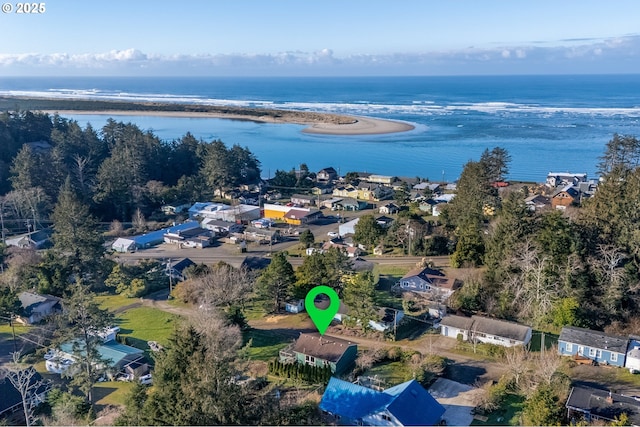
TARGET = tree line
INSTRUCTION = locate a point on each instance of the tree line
(551, 268)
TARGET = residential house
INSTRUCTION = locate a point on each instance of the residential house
(176, 270)
(633, 354)
(427, 280)
(221, 227)
(384, 221)
(560, 179)
(381, 179)
(349, 204)
(564, 197)
(152, 238)
(263, 235)
(255, 263)
(303, 199)
(11, 399)
(373, 192)
(537, 202)
(321, 350)
(175, 208)
(327, 175)
(601, 407)
(486, 330)
(406, 404)
(196, 237)
(294, 306)
(299, 216)
(389, 209)
(348, 227)
(39, 239)
(113, 354)
(346, 191)
(36, 307)
(597, 346)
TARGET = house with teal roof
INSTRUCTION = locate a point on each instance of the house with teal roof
(406, 404)
(115, 355)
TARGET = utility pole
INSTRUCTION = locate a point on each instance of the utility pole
(13, 331)
(170, 279)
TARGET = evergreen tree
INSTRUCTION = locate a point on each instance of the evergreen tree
(76, 230)
(86, 320)
(276, 281)
(359, 292)
(368, 231)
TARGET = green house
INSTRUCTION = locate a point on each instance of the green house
(317, 350)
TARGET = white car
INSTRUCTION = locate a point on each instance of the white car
(333, 234)
(146, 379)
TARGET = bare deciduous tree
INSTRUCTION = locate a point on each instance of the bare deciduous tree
(223, 286)
(24, 380)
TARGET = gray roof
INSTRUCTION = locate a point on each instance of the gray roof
(322, 347)
(501, 328)
(593, 339)
(604, 404)
(486, 325)
(459, 322)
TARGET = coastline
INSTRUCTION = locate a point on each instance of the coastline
(318, 123)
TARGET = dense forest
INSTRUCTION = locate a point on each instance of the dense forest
(114, 171)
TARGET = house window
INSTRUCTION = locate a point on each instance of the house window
(309, 359)
(569, 347)
(614, 357)
(598, 354)
(386, 417)
(592, 352)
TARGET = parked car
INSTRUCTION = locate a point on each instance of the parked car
(146, 379)
(333, 234)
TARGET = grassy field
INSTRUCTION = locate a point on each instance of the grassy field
(112, 392)
(111, 302)
(144, 324)
(265, 344)
(391, 373)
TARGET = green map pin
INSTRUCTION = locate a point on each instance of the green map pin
(322, 318)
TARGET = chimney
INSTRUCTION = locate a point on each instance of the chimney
(610, 398)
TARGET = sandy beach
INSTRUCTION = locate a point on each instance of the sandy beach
(320, 123)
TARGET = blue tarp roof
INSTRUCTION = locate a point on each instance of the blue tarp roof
(409, 402)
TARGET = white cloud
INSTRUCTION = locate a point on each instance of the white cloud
(499, 60)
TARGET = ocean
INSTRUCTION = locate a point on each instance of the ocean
(547, 123)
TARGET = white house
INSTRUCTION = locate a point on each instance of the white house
(633, 354)
(486, 330)
(36, 307)
(348, 227)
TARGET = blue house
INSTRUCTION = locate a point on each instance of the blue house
(407, 404)
(597, 346)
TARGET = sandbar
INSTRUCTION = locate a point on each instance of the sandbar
(318, 123)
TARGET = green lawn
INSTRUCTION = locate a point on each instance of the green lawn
(392, 373)
(112, 392)
(111, 302)
(507, 415)
(265, 344)
(19, 328)
(142, 324)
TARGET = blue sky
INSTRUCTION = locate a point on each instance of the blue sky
(329, 37)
